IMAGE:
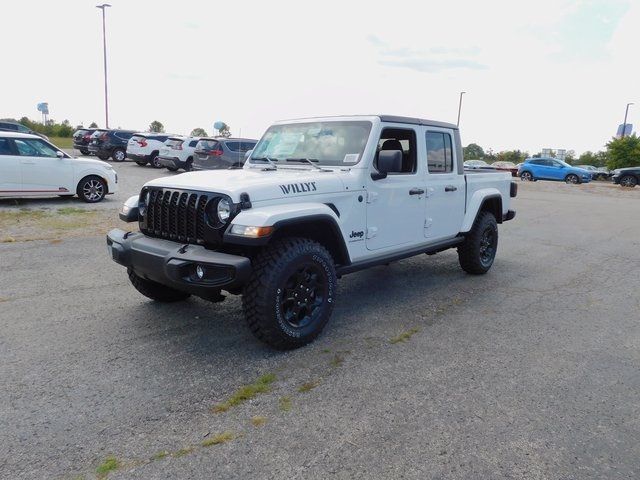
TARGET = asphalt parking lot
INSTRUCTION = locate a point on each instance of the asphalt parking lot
(529, 372)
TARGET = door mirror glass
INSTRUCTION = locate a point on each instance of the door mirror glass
(59, 154)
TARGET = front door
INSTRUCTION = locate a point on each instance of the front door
(42, 170)
(395, 204)
(445, 187)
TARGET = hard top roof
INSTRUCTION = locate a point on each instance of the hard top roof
(383, 118)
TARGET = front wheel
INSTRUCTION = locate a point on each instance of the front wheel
(91, 189)
(526, 177)
(141, 164)
(85, 152)
(103, 157)
(154, 290)
(571, 178)
(477, 252)
(118, 155)
(290, 295)
(628, 181)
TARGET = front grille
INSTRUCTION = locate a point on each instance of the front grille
(175, 215)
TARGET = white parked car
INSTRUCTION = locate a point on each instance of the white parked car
(144, 148)
(32, 167)
(177, 152)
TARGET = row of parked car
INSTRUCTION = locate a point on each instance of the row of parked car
(159, 150)
(533, 169)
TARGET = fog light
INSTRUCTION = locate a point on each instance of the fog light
(200, 272)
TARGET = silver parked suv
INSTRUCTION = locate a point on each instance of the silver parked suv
(220, 153)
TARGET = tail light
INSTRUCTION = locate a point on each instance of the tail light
(143, 142)
(86, 136)
(178, 146)
(215, 153)
(104, 136)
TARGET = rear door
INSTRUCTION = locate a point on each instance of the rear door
(10, 176)
(445, 203)
(41, 169)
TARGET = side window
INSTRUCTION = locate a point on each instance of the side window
(193, 143)
(29, 147)
(5, 147)
(403, 140)
(439, 152)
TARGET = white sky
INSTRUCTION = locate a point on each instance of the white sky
(541, 73)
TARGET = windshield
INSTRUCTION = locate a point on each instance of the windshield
(339, 143)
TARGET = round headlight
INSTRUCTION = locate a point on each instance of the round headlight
(224, 210)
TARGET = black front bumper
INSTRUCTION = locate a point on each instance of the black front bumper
(174, 264)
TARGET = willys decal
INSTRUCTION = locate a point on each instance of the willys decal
(298, 187)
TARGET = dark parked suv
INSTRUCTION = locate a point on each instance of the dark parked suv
(626, 177)
(110, 143)
(219, 153)
(81, 139)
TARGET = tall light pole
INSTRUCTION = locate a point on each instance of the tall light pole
(624, 125)
(103, 7)
(460, 108)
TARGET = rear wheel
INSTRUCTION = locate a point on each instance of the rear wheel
(118, 155)
(155, 161)
(91, 189)
(479, 249)
(526, 176)
(188, 165)
(142, 164)
(154, 290)
(172, 169)
(572, 178)
(628, 181)
(85, 152)
(289, 297)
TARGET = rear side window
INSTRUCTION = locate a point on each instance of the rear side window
(174, 143)
(439, 152)
(9, 126)
(193, 143)
(98, 133)
(5, 147)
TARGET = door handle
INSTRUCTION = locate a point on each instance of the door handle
(416, 191)
(450, 188)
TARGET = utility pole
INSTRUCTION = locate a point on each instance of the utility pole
(103, 7)
(460, 108)
(624, 125)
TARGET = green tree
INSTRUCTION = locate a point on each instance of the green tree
(623, 152)
(199, 132)
(156, 127)
(473, 151)
(93, 125)
(515, 156)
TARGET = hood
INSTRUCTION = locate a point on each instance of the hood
(259, 184)
(90, 162)
(626, 169)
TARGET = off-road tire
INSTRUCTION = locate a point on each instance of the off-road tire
(470, 252)
(155, 291)
(628, 181)
(119, 155)
(267, 299)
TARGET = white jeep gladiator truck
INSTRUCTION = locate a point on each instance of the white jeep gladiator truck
(317, 199)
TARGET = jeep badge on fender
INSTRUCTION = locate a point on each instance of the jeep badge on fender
(282, 230)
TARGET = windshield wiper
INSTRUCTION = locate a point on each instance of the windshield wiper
(307, 160)
(267, 160)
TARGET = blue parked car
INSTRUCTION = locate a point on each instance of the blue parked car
(552, 169)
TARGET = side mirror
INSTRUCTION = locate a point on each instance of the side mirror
(247, 154)
(389, 161)
(59, 154)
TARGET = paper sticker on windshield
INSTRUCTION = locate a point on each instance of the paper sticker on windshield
(351, 158)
